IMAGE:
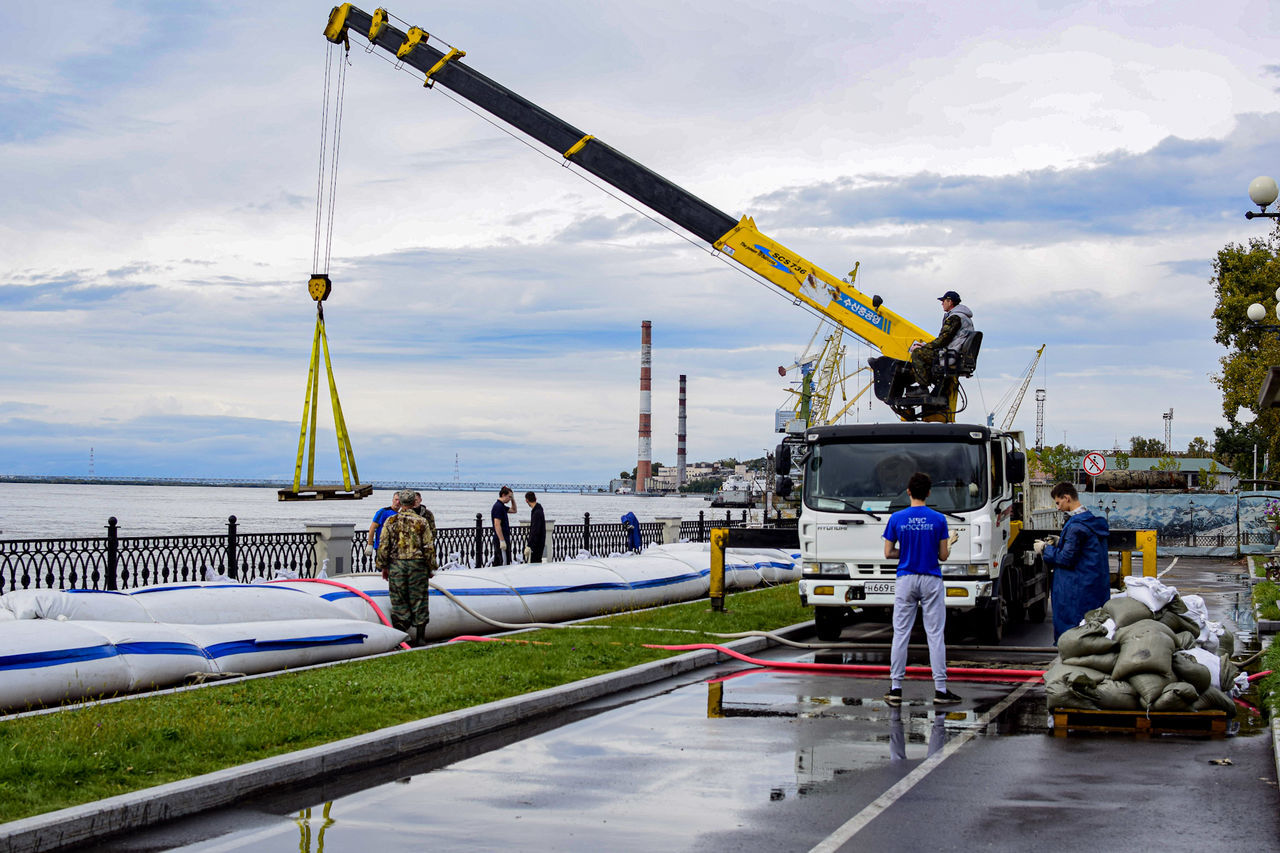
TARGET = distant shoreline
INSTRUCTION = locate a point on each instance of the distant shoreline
(580, 488)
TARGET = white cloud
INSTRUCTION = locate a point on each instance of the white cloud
(158, 231)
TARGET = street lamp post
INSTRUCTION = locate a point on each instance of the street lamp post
(1263, 192)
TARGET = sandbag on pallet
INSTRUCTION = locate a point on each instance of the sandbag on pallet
(1149, 686)
(1102, 663)
(1117, 695)
(1165, 658)
(1176, 696)
(1123, 610)
(1091, 638)
(1145, 647)
(1187, 668)
(1068, 686)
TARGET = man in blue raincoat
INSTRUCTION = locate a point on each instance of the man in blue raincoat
(1081, 567)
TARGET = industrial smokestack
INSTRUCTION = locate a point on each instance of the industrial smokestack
(643, 465)
(680, 434)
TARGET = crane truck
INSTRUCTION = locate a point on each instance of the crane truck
(979, 473)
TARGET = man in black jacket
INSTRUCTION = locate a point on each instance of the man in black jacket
(537, 528)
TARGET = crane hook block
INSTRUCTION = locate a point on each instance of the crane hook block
(379, 24)
(319, 287)
(336, 31)
(411, 40)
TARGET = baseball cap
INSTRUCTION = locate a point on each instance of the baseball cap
(406, 496)
(950, 294)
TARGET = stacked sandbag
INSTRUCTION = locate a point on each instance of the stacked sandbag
(1147, 649)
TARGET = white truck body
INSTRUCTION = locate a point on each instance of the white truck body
(854, 478)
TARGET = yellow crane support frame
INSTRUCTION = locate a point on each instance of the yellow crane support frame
(320, 287)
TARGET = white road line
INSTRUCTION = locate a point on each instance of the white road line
(855, 824)
(1170, 568)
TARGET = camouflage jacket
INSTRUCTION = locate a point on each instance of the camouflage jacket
(406, 536)
(429, 516)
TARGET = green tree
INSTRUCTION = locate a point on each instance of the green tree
(1145, 447)
(1198, 447)
(1058, 462)
(654, 468)
(1209, 477)
(1243, 275)
(1234, 445)
(707, 485)
(626, 476)
(1122, 460)
(1165, 463)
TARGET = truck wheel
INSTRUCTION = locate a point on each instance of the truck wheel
(828, 621)
(993, 617)
(1014, 591)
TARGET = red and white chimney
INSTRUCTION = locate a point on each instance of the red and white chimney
(680, 434)
(644, 464)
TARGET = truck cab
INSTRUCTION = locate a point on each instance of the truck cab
(854, 477)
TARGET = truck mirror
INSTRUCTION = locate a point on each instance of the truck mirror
(782, 487)
(1016, 466)
(782, 459)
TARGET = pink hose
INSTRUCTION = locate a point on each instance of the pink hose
(376, 609)
(1258, 675)
(858, 668)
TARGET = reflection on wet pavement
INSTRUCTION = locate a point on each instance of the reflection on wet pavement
(745, 759)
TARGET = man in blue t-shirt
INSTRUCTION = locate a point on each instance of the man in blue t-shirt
(375, 528)
(917, 536)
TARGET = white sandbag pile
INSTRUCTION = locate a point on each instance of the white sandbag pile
(1147, 649)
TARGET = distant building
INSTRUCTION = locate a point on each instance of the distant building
(1187, 474)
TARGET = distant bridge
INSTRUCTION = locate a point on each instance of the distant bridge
(431, 486)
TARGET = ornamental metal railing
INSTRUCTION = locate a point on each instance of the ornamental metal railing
(124, 562)
(114, 562)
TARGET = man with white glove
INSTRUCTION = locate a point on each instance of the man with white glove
(1081, 566)
(505, 505)
(1039, 545)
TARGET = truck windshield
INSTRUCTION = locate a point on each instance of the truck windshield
(873, 476)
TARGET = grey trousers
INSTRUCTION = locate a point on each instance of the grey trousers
(928, 593)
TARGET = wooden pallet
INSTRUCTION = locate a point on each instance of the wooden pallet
(1210, 723)
(325, 493)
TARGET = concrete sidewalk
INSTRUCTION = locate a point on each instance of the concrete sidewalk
(150, 806)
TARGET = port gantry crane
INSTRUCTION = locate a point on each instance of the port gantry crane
(1021, 389)
(738, 239)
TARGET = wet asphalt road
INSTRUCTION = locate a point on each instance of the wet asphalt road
(744, 759)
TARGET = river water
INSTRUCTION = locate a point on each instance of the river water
(55, 511)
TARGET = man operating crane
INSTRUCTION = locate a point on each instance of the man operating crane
(957, 326)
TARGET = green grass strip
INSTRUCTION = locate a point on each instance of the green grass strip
(1264, 596)
(80, 755)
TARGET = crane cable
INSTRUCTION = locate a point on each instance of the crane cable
(324, 224)
(319, 288)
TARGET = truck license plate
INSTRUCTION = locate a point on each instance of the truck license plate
(879, 587)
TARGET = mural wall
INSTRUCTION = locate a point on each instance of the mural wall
(1193, 523)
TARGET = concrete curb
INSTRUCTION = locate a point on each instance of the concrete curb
(1275, 743)
(79, 824)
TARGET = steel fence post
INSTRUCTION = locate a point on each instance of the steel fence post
(113, 552)
(231, 547)
(586, 532)
(479, 539)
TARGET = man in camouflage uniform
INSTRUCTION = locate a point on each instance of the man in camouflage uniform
(957, 325)
(406, 558)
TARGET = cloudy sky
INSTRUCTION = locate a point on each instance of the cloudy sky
(1070, 168)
